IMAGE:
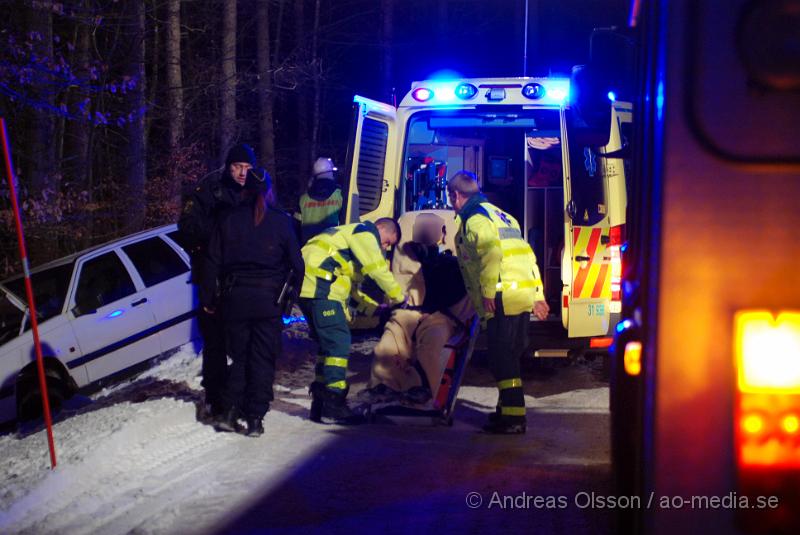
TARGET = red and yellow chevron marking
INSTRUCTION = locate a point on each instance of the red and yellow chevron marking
(593, 280)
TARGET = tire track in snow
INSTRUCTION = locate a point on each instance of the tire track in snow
(163, 443)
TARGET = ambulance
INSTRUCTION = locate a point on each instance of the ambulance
(522, 139)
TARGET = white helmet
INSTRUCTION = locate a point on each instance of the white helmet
(323, 168)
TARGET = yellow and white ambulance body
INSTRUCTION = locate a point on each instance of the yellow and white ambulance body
(516, 135)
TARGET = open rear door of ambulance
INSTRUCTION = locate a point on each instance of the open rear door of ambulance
(371, 161)
(586, 264)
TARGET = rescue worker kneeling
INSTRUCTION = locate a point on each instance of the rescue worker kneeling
(333, 260)
(252, 249)
(438, 308)
(503, 280)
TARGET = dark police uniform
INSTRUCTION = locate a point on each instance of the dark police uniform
(251, 264)
(202, 206)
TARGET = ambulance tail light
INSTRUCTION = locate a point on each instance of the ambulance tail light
(767, 417)
(767, 352)
(615, 246)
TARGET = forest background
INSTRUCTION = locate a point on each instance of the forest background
(114, 107)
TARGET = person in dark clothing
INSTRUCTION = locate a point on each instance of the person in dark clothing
(252, 252)
(202, 206)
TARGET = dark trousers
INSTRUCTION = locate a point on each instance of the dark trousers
(507, 338)
(328, 326)
(215, 361)
(254, 346)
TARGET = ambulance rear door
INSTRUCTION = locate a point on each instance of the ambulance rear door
(586, 263)
(371, 161)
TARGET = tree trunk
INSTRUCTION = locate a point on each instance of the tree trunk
(75, 165)
(303, 151)
(174, 77)
(316, 62)
(42, 147)
(387, 39)
(153, 82)
(136, 147)
(228, 115)
(265, 96)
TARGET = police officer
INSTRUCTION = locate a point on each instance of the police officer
(252, 250)
(321, 205)
(334, 259)
(212, 194)
(502, 278)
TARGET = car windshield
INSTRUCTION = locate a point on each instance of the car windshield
(49, 289)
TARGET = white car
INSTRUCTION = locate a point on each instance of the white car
(101, 312)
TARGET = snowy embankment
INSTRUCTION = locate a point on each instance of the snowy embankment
(134, 458)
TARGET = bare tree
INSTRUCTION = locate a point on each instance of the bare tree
(265, 96)
(303, 150)
(228, 111)
(174, 74)
(136, 146)
(42, 122)
(387, 38)
(316, 64)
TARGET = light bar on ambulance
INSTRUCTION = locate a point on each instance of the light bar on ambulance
(543, 91)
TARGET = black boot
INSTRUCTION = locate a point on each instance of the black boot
(255, 427)
(336, 411)
(505, 425)
(227, 421)
(315, 391)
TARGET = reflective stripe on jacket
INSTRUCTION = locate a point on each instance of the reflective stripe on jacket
(340, 255)
(317, 215)
(494, 258)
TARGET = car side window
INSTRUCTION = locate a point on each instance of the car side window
(103, 280)
(155, 260)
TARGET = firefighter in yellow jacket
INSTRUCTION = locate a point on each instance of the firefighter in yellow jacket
(503, 281)
(334, 259)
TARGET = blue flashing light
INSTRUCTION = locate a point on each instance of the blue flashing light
(612, 96)
(559, 95)
(533, 91)
(623, 325)
(660, 99)
(288, 320)
(466, 91)
(624, 247)
(115, 314)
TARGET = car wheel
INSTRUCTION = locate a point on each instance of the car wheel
(29, 398)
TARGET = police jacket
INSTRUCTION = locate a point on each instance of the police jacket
(320, 207)
(342, 254)
(202, 206)
(494, 258)
(250, 263)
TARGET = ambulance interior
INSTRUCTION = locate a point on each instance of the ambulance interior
(517, 158)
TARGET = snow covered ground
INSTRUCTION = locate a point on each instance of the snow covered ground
(133, 458)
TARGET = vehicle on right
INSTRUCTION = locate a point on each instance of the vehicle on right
(705, 386)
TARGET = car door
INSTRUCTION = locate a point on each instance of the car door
(168, 288)
(586, 264)
(112, 320)
(371, 159)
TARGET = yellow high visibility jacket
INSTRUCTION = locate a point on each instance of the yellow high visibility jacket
(494, 258)
(317, 214)
(340, 255)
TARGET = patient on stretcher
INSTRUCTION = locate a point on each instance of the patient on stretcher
(411, 356)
